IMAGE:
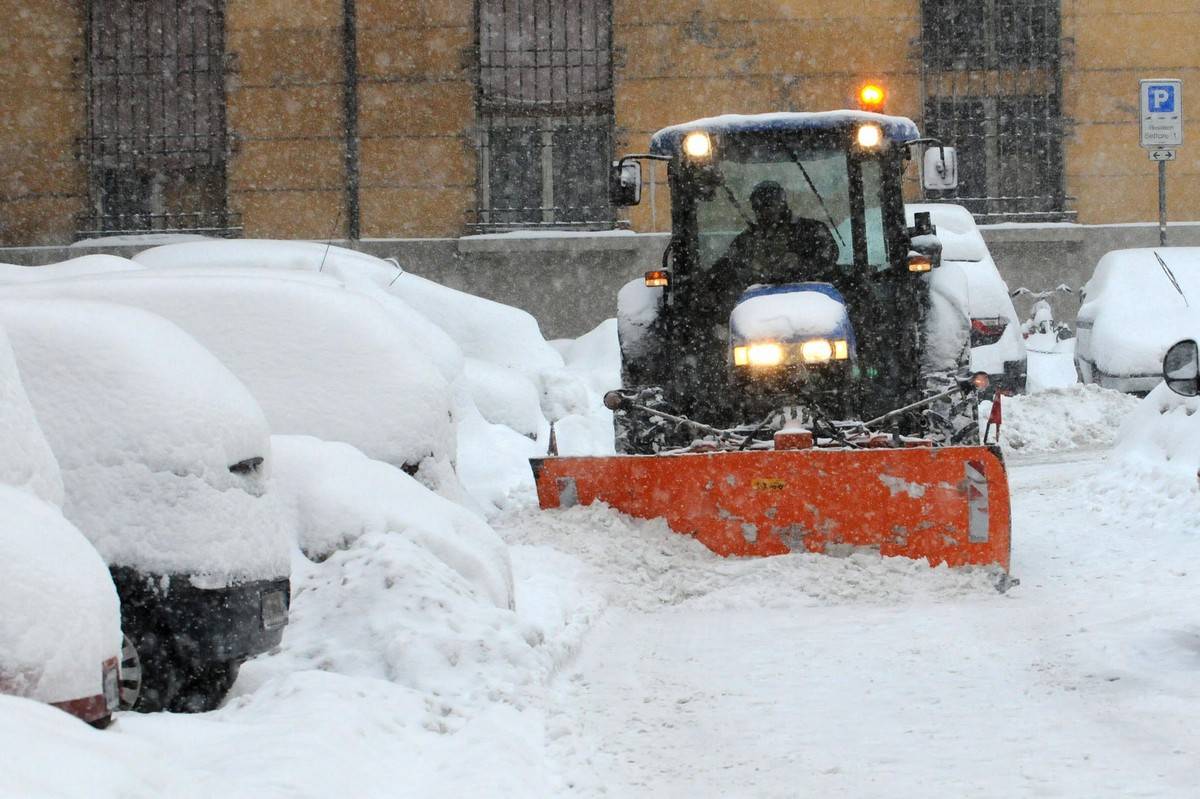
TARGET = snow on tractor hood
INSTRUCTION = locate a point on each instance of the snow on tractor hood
(790, 312)
(164, 453)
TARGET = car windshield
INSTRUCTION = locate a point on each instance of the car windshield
(816, 182)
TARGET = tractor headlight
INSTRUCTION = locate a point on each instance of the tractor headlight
(698, 145)
(763, 353)
(870, 135)
(816, 351)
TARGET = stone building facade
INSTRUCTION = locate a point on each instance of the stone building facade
(437, 118)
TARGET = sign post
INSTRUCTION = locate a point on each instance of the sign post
(1161, 101)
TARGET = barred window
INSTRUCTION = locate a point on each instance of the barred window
(544, 113)
(993, 86)
(156, 144)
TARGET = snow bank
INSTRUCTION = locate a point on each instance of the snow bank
(145, 424)
(1077, 416)
(595, 358)
(1161, 438)
(337, 495)
(59, 614)
(75, 267)
(1135, 311)
(319, 359)
(26, 460)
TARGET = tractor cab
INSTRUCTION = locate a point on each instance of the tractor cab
(777, 221)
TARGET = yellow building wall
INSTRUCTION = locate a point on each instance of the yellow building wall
(1117, 43)
(284, 113)
(679, 60)
(43, 185)
(416, 111)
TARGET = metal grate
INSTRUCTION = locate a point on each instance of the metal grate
(544, 109)
(156, 146)
(992, 76)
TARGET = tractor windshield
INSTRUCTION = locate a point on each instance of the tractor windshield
(816, 184)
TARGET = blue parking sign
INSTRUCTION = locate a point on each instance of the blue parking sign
(1160, 98)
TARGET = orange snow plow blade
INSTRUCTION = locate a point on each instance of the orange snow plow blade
(947, 505)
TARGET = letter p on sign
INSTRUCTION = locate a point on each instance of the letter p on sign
(1162, 99)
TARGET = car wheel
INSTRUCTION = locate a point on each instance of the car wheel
(1083, 372)
(158, 675)
(206, 686)
(131, 674)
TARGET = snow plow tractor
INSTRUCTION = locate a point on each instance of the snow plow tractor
(795, 371)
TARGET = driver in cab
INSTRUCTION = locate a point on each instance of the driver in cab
(775, 248)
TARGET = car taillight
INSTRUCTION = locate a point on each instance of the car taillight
(987, 331)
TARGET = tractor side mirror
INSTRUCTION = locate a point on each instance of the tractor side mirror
(924, 247)
(1181, 368)
(625, 183)
(940, 172)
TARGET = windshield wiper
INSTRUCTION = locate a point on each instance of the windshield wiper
(1171, 277)
(832, 226)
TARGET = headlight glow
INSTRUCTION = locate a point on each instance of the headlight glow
(765, 353)
(697, 144)
(816, 351)
(870, 135)
(841, 349)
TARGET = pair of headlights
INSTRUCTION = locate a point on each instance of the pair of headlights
(698, 145)
(772, 353)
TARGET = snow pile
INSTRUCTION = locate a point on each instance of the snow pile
(1161, 439)
(26, 460)
(75, 267)
(595, 358)
(1077, 416)
(1135, 309)
(646, 566)
(145, 424)
(337, 495)
(59, 615)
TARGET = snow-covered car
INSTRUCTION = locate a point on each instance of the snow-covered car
(164, 457)
(1137, 303)
(997, 346)
(60, 626)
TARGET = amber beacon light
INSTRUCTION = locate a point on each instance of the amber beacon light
(871, 97)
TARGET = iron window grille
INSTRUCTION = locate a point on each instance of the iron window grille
(544, 113)
(156, 146)
(992, 77)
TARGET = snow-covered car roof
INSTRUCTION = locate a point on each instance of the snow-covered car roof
(1135, 310)
(26, 459)
(145, 424)
(320, 360)
(83, 265)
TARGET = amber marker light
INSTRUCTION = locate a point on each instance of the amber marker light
(658, 279)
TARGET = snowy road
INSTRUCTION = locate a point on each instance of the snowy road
(810, 676)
